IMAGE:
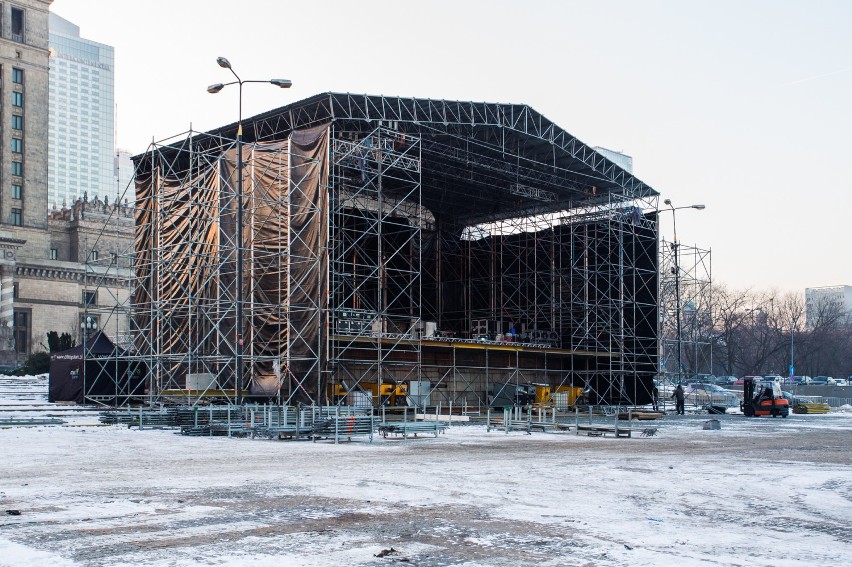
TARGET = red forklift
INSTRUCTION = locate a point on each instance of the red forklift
(763, 398)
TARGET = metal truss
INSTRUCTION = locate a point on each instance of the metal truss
(108, 378)
(375, 226)
(693, 274)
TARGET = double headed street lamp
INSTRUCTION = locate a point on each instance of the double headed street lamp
(675, 246)
(240, 299)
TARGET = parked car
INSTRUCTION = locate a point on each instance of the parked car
(664, 387)
(773, 378)
(705, 395)
(841, 382)
(794, 400)
(742, 380)
(801, 380)
(706, 378)
(822, 381)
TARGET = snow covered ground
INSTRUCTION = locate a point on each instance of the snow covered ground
(757, 492)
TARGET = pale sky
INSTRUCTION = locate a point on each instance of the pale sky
(744, 106)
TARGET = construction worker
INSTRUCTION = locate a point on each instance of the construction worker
(679, 398)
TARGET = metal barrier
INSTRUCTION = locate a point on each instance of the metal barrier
(406, 428)
(832, 402)
(342, 425)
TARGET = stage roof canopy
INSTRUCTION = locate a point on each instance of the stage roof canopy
(480, 161)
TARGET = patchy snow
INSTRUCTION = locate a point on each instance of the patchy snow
(757, 492)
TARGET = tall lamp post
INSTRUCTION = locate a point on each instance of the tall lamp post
(675, 245)
(240, 299)
(793, 325)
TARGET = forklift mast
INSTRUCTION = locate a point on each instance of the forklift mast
(748, 388)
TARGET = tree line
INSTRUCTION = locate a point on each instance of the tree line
(753, 332)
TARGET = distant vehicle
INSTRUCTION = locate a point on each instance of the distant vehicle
(742, 380)
(773, 378)
(841, 382)
(725, 380)
(707, 378)
(707, 395)
(664, 387)
(792, 399)
(802, 380)
(822, 381)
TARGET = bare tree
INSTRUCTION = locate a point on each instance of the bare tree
(730, 315)
(757, 332)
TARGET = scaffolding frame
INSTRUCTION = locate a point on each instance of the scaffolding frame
(693, 273)
(448, 225)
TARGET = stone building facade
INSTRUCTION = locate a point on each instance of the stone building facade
(82, 286)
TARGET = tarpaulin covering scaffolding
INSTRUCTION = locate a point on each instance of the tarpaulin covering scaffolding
(191, 222)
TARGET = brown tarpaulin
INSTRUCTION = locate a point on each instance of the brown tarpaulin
(186, 264)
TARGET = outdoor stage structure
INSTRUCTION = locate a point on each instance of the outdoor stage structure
(406, 248)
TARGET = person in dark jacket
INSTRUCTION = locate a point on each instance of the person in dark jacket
(679, 398)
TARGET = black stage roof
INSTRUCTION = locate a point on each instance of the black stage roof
(480, 161)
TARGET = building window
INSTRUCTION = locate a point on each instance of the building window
(18, 76)
(17, 217)
(17, 25)
(93, 257)
(54, 254)
(17, 145)
(18, 168)
(15, 289)
(17, 99)
(22, 331)
(17, 191)
(17, 122)
(90, 298)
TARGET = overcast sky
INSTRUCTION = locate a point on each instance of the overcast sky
(745, 107)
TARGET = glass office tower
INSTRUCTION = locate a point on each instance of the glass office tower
(81, 132)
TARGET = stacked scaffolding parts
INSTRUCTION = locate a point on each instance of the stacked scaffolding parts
(471, 247)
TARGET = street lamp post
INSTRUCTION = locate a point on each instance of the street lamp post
(793, 324)
(240, 300)
(87, 325)
(675, 246)
(792, 368)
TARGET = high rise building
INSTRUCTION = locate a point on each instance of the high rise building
(622, 160)
(831, 304)
(23, 122)
(82, 107)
